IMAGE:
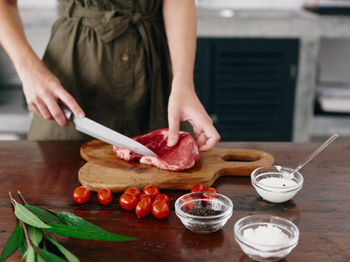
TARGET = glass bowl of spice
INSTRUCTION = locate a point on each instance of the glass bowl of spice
(203, 212)
(266, 238)
(276, 184)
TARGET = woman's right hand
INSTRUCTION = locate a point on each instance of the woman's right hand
(42, 90)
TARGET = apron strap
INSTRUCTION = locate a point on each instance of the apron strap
(114, 22)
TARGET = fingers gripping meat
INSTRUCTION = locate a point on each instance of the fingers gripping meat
(182, 156)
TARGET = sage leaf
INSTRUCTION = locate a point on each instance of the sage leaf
(23, 214)
(86, 233)
(24, 257)
(23, 246)
(30, 254)
(68, 255)
(44, 215)
(47, 256)
(12, 243)
(35, 234)
(39, 259)
(73, 220)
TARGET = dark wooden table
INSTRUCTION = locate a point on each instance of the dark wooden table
(46, 173)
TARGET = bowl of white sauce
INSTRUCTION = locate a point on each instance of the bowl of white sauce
(265, 237)
(276, 184)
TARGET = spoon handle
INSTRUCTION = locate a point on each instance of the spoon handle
(316, 152)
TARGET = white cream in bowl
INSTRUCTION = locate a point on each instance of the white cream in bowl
(276, 184)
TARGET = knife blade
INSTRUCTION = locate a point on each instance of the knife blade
(96, 130)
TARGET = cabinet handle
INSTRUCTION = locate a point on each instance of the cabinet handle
(293, 71)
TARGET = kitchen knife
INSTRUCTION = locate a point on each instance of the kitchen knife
(96, 130)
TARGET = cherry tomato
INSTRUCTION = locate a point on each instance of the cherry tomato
(209, 193)
(151, 190)
(128, 201)
(188, 202)
(134, 191)
(143, 208)
(146, 198)
(81, 195)
(104, 196)
(160, 209)
(163, 197)
(197, 188)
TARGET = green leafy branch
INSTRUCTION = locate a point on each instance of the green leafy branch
(36, 225)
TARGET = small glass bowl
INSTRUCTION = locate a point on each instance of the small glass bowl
(261, 251)
(203, 224)
(276, 194)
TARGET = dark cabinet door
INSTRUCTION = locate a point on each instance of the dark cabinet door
(248, 86)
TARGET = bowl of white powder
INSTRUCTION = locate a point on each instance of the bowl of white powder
(266, 238)
(276, 184)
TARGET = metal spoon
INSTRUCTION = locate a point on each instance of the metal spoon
(315, 153)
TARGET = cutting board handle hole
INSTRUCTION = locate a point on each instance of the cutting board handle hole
(239, 157)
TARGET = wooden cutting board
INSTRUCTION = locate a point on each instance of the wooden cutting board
(104, 170)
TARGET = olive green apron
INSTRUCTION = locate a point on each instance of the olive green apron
(113, 57)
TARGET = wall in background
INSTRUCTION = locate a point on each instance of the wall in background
(335, 60)
(37, 3)
(251, 4)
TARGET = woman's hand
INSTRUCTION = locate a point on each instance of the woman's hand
(184, 105)
(42, 90)
(180, 22)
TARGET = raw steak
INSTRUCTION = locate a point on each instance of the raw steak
(179, 157)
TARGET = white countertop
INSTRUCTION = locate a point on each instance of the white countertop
(263, 23)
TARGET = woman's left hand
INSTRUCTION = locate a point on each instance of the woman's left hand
(184, 105)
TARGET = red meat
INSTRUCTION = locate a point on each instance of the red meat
(179, 157)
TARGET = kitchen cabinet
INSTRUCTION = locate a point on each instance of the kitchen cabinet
(332, 101)
(248, 86)
(310, 29)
